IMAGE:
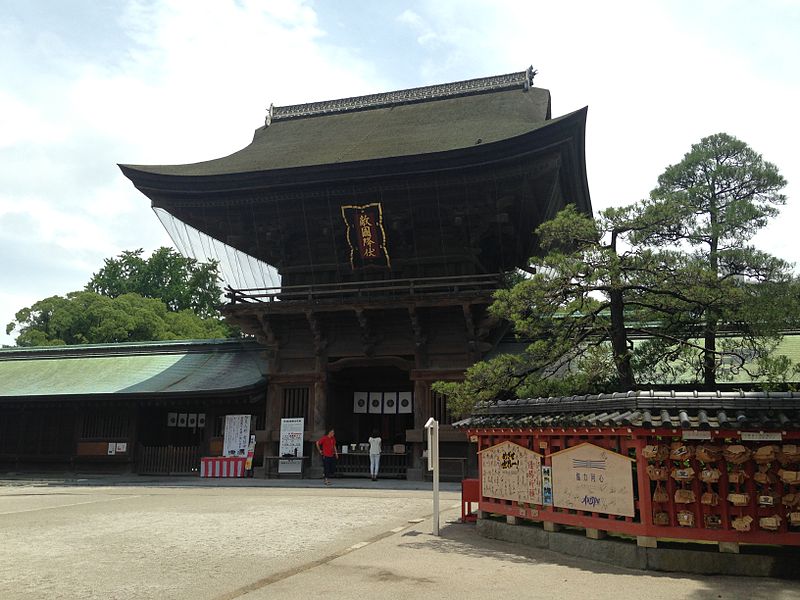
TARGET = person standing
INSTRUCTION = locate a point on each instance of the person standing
(374, 454)
(327, 448)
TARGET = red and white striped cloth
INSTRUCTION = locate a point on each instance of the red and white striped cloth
(222, 466)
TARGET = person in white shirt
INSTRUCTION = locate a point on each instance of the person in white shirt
(374, 454)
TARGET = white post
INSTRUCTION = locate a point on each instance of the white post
(433, 465)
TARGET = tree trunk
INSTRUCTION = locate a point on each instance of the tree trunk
(619, 334)
(619, 341)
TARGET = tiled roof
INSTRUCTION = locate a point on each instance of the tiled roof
(163, 368)
(650, 409)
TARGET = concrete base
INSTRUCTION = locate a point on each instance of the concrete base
(595, 534)
(552, 527)
(729, 547)
(644, 541)
(512, 520)
(627, 554)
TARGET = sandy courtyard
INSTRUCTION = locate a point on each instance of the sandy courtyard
(159, 542)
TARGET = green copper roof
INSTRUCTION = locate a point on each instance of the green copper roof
(136, 369)
(397, 124)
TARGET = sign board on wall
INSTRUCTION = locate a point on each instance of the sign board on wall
(405, 402)
(389, 403)
(376, 402)
(237, 435)
(547, 486)
(511, 472)
(360, 401)
(590, 478)
(291, 444)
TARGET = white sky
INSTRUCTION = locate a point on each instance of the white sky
(85, 85)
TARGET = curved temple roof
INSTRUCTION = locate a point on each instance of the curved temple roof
(418, 121)
(131, 369)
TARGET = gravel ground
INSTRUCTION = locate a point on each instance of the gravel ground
(258, 541)
(131, 542)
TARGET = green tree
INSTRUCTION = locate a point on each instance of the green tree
(708, 207)
(90, 318)
(572, 310)
(671, 270)
(181, 283)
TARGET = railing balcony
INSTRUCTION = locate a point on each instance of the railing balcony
(368, 290)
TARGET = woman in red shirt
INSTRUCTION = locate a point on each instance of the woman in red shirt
(327, 448)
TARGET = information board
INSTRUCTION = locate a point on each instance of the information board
(291, 444)
(237, 435)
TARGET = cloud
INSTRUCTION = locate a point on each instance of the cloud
(184, 82)
(86, 85)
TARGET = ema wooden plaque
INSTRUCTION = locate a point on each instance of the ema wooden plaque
(511, 472)
(590, 478)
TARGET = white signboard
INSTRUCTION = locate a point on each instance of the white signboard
(761, 436)
(590, 478)
(291, 444)
(360, 400)
(696, 435)
(237, 435)
(511, 472)
(376, 402)
(405, 402)
(389, 403)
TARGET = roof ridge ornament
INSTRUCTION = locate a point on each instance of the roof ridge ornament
(468, 87)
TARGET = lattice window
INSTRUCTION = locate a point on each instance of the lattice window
(295, 403)
(105, 426)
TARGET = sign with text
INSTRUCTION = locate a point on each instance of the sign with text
(291, 444)
(547, 486)
(366, 236)
(761, 436)
(696, 435)
(237, 435)
(590, 478)
(511, 472)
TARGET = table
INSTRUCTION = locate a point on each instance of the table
(222, 466)
(271, 464)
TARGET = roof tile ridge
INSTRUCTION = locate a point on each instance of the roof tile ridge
(521, 79)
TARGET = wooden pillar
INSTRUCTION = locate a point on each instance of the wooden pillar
(320, 413)
(273, 417)
(319, 418)
(422, 403)
(133, 436)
